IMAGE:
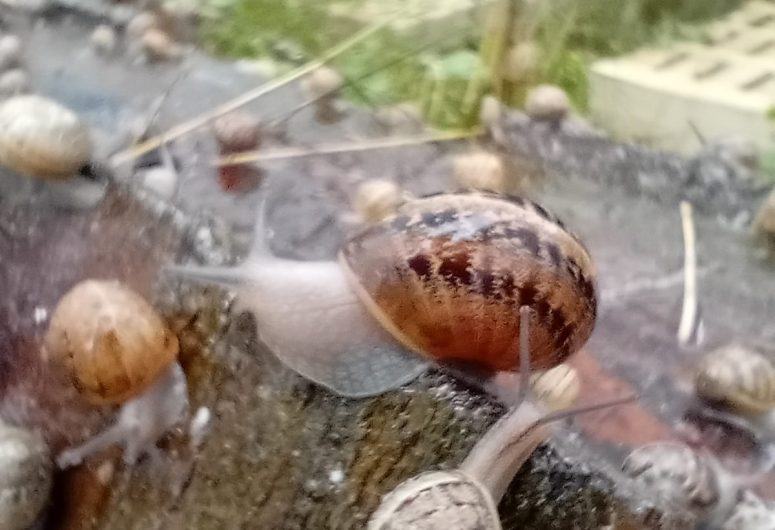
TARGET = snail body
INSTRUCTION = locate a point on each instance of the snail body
(41, 138)
(444, 277)
(738, 377)
(26, 477)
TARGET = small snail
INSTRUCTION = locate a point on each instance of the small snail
(376, 199)
(323, 86)
(41, 138)
(686, 479)
(141, 23)
(443, 277)
(547, 103)
(103, 39)
(482, 170)
(237, 131)
(738, 377)
(115, 349)
(26, 476)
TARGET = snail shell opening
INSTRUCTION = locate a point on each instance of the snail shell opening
(447, 274)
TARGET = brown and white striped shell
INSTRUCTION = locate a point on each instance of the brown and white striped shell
(685, 479)
(41, 138)
(738, 377)
(438, 500)
(111, 342)
(447, 275)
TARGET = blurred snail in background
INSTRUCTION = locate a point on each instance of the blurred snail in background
(376, 199)
(484, 171)
(737, 377)
(26, 476)
(401, 118)
(443, 277)
(41, 138)
(689, 480)
(547, 103)
(116, 350)
(236, 132)
(323, 85)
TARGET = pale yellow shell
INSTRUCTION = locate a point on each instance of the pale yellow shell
(323, 81)
(547, 102)
(26, 472)
(375, 199)
(438, 500)
(110, 341)
(481, 171)
(738, 377)
(557, 388)
(521, 62)
(41, 138)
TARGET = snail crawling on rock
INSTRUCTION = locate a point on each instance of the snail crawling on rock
(116, 350)
(443, 277)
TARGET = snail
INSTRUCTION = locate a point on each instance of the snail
(26, 476)
(159, 46)
(547, 103)
(41, 138)
(483, 170)
(441, 280)
(737, 377)
(235, 132)
(376, 199)
(402, 118)
(103, 39)
(323, 86)
(467, 498)
(141, 23)
(116, 350)
(692, 481)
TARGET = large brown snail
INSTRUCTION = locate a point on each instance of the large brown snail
(41, 138)
(444, 277)
(116, 350)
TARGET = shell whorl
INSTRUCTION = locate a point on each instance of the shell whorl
(447, 275)
(739, 377)
(437, 500)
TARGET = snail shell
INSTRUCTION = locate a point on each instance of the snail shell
(323, 82)
(111, 342)
(739, 377)
(376, 199)
(557, 388)
(141, 23)
(103, 39)
(437, 500)
(447, 275)
(41, 138)
(26, 472)
(159, 46)
(481, 170)
(237, 131)
(685, 479)
(547, 102)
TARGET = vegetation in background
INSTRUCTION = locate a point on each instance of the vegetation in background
(570, 34)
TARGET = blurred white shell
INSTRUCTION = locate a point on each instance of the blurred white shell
(402, 118)
(547, 102)
(141, 23)
(481, 170)
(10, 51)
(159, 46)
(41, 138)
(26, 473)
(324, 81)
(103, 39)
(557, 388)
(521, 62)
(376, 199)
(739, 377)
(751, 513)
(14, 82)
(685, 479)
(438, 500)
(160, 180)
(237, 131)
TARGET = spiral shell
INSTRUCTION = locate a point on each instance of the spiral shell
(683, 478)
(41, 138)
(26, 471)
(237, 131)
(481, 170)
(437, 500)
(376, 199)
(557, 388)
(547, 102)
(323, 82)
(739, 377)
(110, 341)
(447, 274)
